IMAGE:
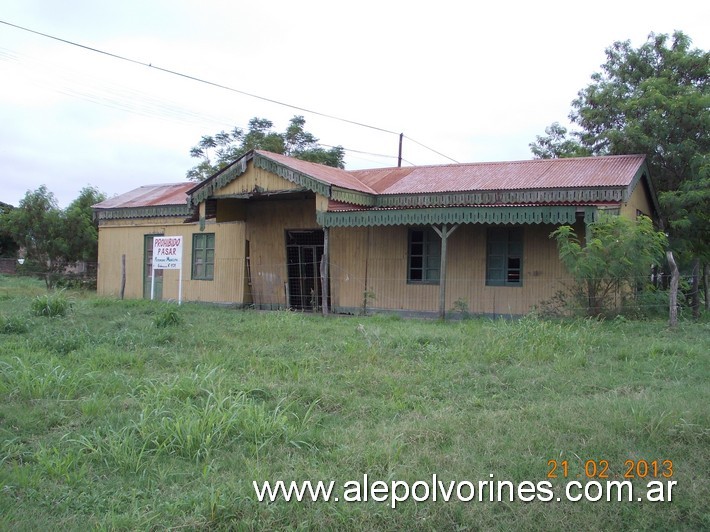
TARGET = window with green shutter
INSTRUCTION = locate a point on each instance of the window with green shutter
(203, 256)
(504, 257)
(424, 256)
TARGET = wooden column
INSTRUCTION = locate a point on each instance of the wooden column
(444, 232)
(324, 274)
(123, 275)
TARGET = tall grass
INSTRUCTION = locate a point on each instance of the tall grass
(51, 305)
(110, 421)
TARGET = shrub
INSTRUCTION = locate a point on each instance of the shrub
(168, 317)
(613, 260)
(76, 282)
(51, 305)
(13, 325)
(461, 307)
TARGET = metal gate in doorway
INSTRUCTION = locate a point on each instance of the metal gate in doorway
(304, 251)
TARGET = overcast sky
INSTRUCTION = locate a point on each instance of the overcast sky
(473, 83)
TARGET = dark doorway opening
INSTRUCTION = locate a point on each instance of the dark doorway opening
(304, 251)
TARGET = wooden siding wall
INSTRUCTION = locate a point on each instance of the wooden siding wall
(117, 239)
(253, 179)
(384, 249)
(267, 223)
(639, 200)
(230, 210)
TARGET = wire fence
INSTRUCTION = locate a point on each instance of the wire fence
(384, 286)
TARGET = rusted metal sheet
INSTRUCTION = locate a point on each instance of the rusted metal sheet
(600, 176)
(587, 172)
(149, 196)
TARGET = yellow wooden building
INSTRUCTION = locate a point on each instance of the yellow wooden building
(274, 232)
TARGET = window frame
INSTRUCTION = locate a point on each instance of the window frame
(430, 256)
(503, 247)
(202, 252)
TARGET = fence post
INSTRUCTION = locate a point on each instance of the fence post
(123, 275)
(325, 281)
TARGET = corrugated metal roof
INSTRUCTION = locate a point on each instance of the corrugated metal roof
(611, 171)
(149, 196)
(586, 172)
(327, 174)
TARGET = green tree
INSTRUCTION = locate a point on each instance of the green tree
(80, 228)
(690, 225)
(37, 226)
(613, 261)
(653, 100)
(8, 246)
(556, 144)
(218, 151)
(53, 238)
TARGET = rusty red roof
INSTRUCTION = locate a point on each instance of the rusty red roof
(149, 196)
(539, 174)
(611, 171)
(328, 174)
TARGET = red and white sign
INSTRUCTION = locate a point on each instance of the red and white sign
(167, 253)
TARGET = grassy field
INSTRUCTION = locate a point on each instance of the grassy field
(139, 415)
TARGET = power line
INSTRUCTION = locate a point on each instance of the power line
(217, 85)
(430, 149)
(194, 78)
(366, 153)
(130, 100)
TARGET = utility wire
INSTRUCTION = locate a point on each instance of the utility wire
(217, 85)
(132, 101)
(193, 78)
(430, 149)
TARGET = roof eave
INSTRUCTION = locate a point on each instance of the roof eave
(643, 174)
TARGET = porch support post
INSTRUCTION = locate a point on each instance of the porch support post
(444, 232)
(324, 274)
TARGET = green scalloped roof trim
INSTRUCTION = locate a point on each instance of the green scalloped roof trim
(570, 195)
(353, 197)
(642, 173)
(555, 215)
(311, 183)
(219, 181)
(144, 212)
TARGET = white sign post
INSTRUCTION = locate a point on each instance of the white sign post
(167, 255)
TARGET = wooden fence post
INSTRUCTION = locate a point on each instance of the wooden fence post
(123, 275)
(324, 274)
(673, 304)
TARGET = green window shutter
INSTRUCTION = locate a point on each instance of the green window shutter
(424, 256)
(495, 257)
(504, 257)
(203, 248)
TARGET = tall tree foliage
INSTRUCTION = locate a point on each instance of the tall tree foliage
(51, 237)
(556, 144)
(218, 151)
(653, 100)
(80, 227)
(37, 226)
(8, 246)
